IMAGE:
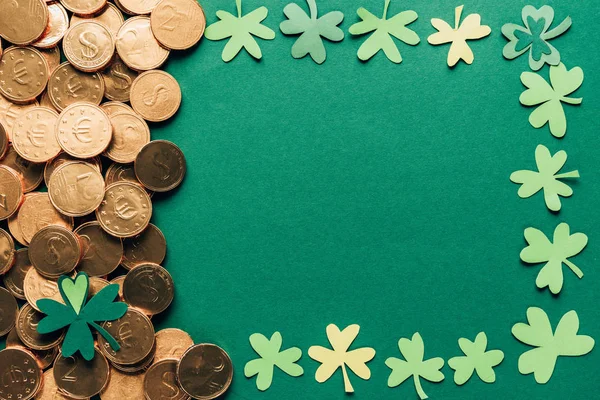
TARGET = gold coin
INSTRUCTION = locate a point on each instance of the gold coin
(117, 172)
(135, 334)
(149, 288)
(135, 368)
(110, 17)
(138, 7)
(15, 229)
(54, 251)
(115, 107)
(37, 212)
(160, 166)
(46, 102)
(3, 141)
(125, 210)
(89, 46)
(137, 46)
(63, 158)
(122, 386)
(171, 343)
(68, 85)
(149, 246)
(8, 310)
(14, 279)
(24, 72)
(7, 254)
(178, 24)
(23, 21)
(76, 188)
(79, 378)
(83, 130)
(96, 285)
(160, 382)
(52, 56)
(33, 135)
(37, 287)
(58, 23)
(84, 7)
(119, 281)
(102, 252)
(117, 80)
(27, 322)
(22, 377)
(205, 371)
(11, 192)
(155, 95)
(44, 358)
(10, 111)
(31, 174)
(130, 134)
(50, 390)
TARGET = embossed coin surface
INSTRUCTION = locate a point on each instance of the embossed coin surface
(23, 21)
(149, 246)
(30, 173)
(135, 334)
(160, 166)
(68, 85)
(155, 95)
(11, 192)
(172, 343)
(45, 358)
(37, 287)
(122, 386)
(110, 17)
(79, 378)
(137, 46)
(102, 252)
(24, 72)
(125, 210)
(10, 111)
(89, 46)
(7, 253)
(160, 382)
(117, 80)
(117, 172)
(33, 135)
(130, 134)
(3, 141)
(15, 229)
(58, 23)
(54, 251)
(205, 371)
(14, 279)
(37, 212)
(76, 188)
(64, 158)
(84, 7)
(149, 287)
(8, 311)
(50, 390)
(178, 24)
(83, 130)
(27, 322)
(115, 107)
(22, 377)
(52, 56)
(138, 7)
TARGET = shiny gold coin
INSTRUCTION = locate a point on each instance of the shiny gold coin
(96, 285)
(23, 21)
(119, 281)
(84, 7)
(125, 210)
(3, 141)
(7, 253)
(137, 46)
(117, 172)
(8, 310)
(27, 322)
(33, 135)
(76, 188)
(178, 24)
(31, 174)
(149, 288)
(155, 95)
(10, 111)
(117, 80)
(110, 17)
(160, 166)
(68, 85)
(15, 229)
(50, 390)
(11, 192)
(52, 56)
(115, 107)
(138, 7)
(172, 343)
(205, 371)
(135, 368)
(46, 102)
(14, 279)
(83, 130)
(122, 386)
(54, 251)
(37, 212)
(149, 246)
(135, 334)
(37, 287)
(44, 358)
(76, 377)
(160, 382)
(102, 252)
(64, 158)
(22, 377)
(58, 23)
(89, 46)
(24, 72)
(130, 134)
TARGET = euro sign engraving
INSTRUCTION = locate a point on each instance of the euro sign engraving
(122, 80)
(37, 134)
(151, 99)
(81, 129)
(163, 171)
(125, 335)
(88, 40)
(14, 375)
(21, 72)
(123, 210)
(74, 86)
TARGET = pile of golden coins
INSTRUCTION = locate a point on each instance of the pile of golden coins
(55, 128)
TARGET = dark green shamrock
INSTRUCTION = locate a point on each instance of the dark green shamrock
(79, 316)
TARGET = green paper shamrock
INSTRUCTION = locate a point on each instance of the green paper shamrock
(311, 30)
(538, 333)
(534, 37)
(547, 178)
(271, 356)
(413, 351)
(551, 97)
(541, 250)
(476, 359)
(381, 39)
(79, 316)
(240, 30)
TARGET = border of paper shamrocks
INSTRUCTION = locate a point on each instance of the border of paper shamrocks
(532, 38)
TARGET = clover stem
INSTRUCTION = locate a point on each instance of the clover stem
(457, 13)
(572, 174)
(559, 30)
(312, 5)
(238, 3)
(574, 268)
(347, 385)
(111, 340)
(420, 391)
(385, 8)
(571, 101)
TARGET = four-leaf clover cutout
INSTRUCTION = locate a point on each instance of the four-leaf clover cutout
(554, 254)
(476, 359)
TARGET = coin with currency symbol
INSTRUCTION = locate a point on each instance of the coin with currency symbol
(37, 212)
(10, 111)
(148, 287)
(68, 85)
(125, 210)
(76, 188)
(23, 21)
(27, 323)
(117, 80)
(135, 334)
(137, 46)
(80, 378)
(172, 343)
(54, 251)
(33, 135)
(102, 252)
(31, 174)
(160, 382)
(8, 311)
(117, 172)
(20, 375)
(160, 166)
(7, 252)
(130, 134)
(178, 24)
(149, 246)
(89, 46)
(45, 358)
(14, 279)
(205, 371)
(83, 130)
(110, 17)
(24, 72)
(155, 95)
(11, 192)
(37, 287)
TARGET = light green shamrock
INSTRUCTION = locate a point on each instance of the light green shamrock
(413, 351)
(271, 356)
(550, 97)
(476, 359)
(547, 178)
(311, 30)
(384, 27)
(538, 333)
(240, 29)
(541, 250)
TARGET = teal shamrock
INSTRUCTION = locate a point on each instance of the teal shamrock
(534, 37)
(311, 30)
(79, 316)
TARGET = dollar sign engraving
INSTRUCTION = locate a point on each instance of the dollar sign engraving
(169, 388)
(148, 285)
(37, 133)
(52, 255)
(151, 100)
(88, 41)
(20, 72)
(163, 172)
(122, 80)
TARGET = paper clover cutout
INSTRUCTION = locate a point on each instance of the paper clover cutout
(476, 359)
(80, 317)
(534, 37)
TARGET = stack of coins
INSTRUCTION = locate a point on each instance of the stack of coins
(63, 124)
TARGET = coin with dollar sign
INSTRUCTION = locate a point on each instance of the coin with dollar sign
(160, 166)
(155, 95)
(117, 80)
(89, 46)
